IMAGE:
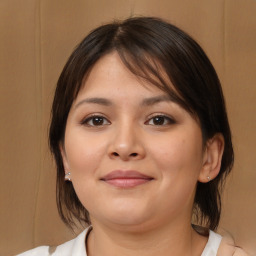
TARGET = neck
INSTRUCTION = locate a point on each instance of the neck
(168, 240)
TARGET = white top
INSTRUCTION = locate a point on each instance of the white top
(212, 245)
(76, 247)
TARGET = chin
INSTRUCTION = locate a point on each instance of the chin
(130, 220)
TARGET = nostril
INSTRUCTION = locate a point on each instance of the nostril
(132, 155)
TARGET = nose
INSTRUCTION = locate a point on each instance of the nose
(127, 144)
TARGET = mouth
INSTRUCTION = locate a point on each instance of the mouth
(126, 179)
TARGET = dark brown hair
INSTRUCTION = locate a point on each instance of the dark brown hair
(146, 46)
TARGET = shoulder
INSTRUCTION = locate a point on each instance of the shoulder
(73, 247)
(228, 248)
(222, 245)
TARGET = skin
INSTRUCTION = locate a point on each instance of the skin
(228, 247)
(156, 138)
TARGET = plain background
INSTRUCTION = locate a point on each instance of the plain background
(36, 38)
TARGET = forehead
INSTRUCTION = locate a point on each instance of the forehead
(110, 75)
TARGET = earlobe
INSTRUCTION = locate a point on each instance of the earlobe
(212, 158)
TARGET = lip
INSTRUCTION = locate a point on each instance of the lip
(126, 178)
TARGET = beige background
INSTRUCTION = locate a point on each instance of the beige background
(36, 37)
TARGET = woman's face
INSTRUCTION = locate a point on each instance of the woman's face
(134, 155)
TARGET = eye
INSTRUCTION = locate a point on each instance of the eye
(160, 120)
(95, 121)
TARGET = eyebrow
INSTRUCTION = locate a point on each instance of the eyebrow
(99, 101)
(157, 99)
(145, 102)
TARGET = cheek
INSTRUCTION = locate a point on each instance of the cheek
(179, 158)
(178, 154)
(84, 153)
(180, 161)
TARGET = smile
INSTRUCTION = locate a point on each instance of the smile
(126, 179)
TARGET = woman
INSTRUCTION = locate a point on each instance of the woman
(142, 144)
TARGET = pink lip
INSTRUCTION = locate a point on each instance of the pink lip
(126, 179)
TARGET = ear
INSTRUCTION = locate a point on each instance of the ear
(212, 158)
(64, 158)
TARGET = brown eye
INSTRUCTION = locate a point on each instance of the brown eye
(160, 120)
(96, 121)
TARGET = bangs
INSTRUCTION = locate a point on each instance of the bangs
(149, 68)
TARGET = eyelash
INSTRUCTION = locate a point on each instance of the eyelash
(167, 120)
(93, 117)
